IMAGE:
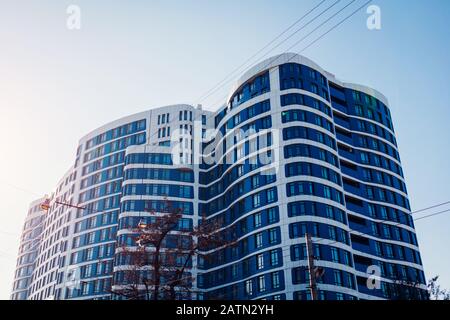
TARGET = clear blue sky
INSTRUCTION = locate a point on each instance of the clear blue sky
(56, 85)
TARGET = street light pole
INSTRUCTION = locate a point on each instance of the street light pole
(47, 204)
(311, 268)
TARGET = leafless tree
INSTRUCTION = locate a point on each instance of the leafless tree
(206, 236)
(162, 260)
(133, 279)
(435, 291)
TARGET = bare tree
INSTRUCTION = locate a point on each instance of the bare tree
(163, 258)
(130, 287)
(206, 236)
(435, 291)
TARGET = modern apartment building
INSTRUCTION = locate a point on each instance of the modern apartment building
(292, 151)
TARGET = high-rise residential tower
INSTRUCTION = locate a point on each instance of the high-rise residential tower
(295, 151)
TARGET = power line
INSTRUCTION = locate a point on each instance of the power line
(337, 25)
(432, 215)
(10, 234)
(310, 33)
(19, 188)
(280, 43)
(399, 223)
(289, 254)
(432, 207)
(11, 257)
(206, 94)
(7, 255)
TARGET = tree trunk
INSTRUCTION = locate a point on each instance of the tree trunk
(156, 274)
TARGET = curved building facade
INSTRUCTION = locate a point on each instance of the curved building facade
(338, 177)
(293, 151)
